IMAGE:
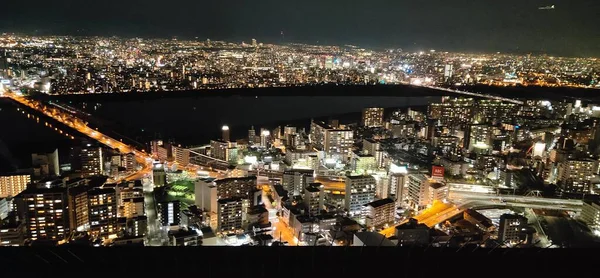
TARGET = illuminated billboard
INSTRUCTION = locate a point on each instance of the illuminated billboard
(437, 172)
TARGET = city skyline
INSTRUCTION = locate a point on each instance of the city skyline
(484, 26)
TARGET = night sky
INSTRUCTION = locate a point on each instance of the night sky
(454, 25)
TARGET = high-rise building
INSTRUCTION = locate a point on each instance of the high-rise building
(397, 189)
(225, 130)
(229, 214)
(161, 151)
(372, 117)
(13, 184)
(168, 212)
(314, 198)
(360, 190)
(575, 175)
(45, 213)
(159, 175)
(491, 110)
(78, 202)
(265, 138)
(333, 141)
(251, 136)
(379, 213)
(129, 162)
(590, 215)
(423, 191)
(452, 111)
(46, 164)
(181, 155)
(91, 161)
(295, 180)
(511, 228)
(479, 137)
(103, 212)
(243, 187)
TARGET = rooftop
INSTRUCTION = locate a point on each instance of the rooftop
(379, 203)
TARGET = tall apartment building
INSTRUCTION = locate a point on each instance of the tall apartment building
(13, 184)
(45, 213)
(372, 117)
(423, 191)
(224, 150)
(91, 161)
(229, 214)
(333, 141)
(168, 212)
(380, 212)
(160, 150)
(78, 202)
(103, 212)
(452, 111)
(590, 215)
(397, 189)
(181, 155)
(243, 187)
(314, 198)
(360, 190)
(295, 180)
(575, 175)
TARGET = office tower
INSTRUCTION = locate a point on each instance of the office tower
(45, 213)
(236, 187)
(46, 164)
(333, 141)
(360, 190)
(13, 184)
(225, 130)
(452, 111)
(372, 117)
(229, 214)
(295, 180)
(380, 212)
(181, 155)
(159, 175)
(254, 43)
(314, 198)
(102, 203)
(168, 212)
(78, 202)
(511, 228)
(575, 176)
(91, 161)
(251, 136)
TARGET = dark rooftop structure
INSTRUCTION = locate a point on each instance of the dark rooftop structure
(378, 203)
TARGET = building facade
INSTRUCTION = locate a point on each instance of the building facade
(360, 190)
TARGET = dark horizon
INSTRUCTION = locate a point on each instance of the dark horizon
(458, 26)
